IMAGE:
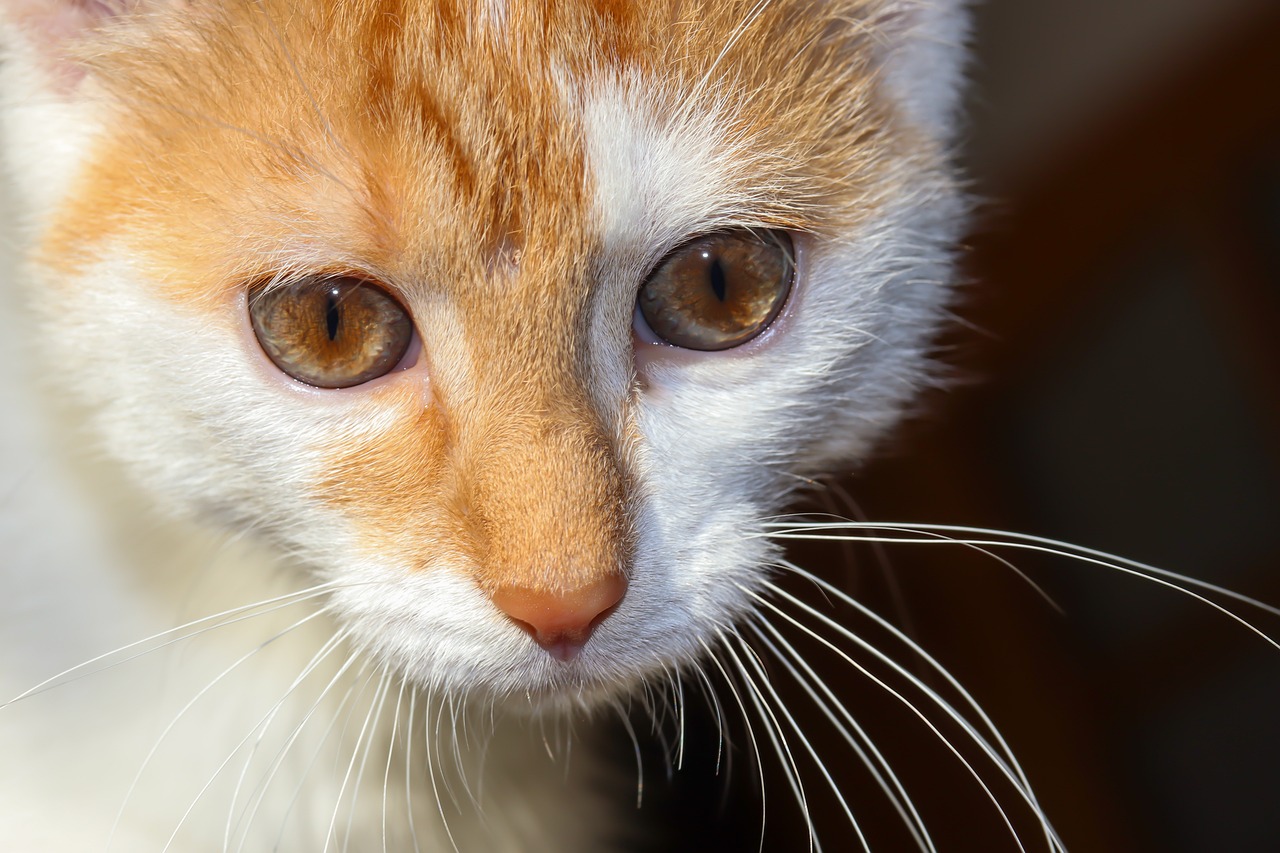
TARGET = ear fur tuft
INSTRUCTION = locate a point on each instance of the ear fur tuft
(54, 21)
(43, 35)
(924, 66)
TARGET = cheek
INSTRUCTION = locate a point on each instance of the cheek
(186, 395)
(393, 483)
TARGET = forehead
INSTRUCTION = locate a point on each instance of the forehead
(439, 140)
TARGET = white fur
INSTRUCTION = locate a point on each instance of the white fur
(189, 407)
(924, 68)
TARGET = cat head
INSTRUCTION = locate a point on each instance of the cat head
(512, 320)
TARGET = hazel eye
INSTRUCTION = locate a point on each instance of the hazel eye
(719, 291)
(331, 332)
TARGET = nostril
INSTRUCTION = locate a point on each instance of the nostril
(523, 625)
(562, 621)
(604, 614)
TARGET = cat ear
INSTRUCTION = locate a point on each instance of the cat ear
(51, 23)
(45, 34)
(924, 60)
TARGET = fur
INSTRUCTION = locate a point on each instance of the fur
(512, 171)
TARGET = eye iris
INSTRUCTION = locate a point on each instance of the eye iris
(331, 333)
(719, 291)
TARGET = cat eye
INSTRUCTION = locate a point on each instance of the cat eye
(331, 332)
(719, 291)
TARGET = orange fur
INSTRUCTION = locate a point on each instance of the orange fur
(414, 142)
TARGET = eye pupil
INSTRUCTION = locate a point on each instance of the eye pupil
(718, 286)
(332, 315)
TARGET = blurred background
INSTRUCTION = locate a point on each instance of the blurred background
(1121, 390)
(1118, 387)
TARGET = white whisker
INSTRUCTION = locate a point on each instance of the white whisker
(206, 623)
(1026, 542)
(445, 777)
(635, 742)
(432, 776)
(778, 738)
(939, 702)
(364, 732)
(875, 762)
(751, 736)
(391, 751)
(262, 726)
(657, 712)
(678, 686)
(713, 702)
(408, 767)
(756, 11)
(758, 667)
(183, 711)
(928, 660)
(277, 762)
(379, 703)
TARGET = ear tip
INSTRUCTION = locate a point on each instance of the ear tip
(37, 33)
(925, 67)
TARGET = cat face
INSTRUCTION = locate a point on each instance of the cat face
(536, 483)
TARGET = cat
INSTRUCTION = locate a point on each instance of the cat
(497, 335)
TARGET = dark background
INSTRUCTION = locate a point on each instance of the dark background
(1119, 387)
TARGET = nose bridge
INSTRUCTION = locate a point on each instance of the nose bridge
(547, 490)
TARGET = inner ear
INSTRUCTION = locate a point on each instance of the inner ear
(46, 34)
(53, 22)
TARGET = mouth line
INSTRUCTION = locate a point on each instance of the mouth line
(571, 689)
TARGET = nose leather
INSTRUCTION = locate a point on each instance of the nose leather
(562, 621)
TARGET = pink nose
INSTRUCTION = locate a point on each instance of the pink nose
(562, 622)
